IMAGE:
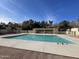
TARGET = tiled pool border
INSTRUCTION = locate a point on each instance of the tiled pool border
(15, 44)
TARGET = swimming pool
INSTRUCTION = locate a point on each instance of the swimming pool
(44, 38)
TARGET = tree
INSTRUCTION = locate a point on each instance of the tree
(64, 25)
(55, 26)
(28, 25)
(75, 23)
(13, 26)
(44, 24)
(50, 23)
(2, 26)
(37, 25)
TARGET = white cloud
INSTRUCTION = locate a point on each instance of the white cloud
(4, 4)
(6, 19)
(51, 18)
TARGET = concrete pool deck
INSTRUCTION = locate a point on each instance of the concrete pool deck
(70, 50)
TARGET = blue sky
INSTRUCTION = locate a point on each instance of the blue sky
(56, 10)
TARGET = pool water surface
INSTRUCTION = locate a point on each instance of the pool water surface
(44, 38)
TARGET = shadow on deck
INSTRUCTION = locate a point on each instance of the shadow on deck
(13, 53)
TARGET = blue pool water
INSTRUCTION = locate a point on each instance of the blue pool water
(44, 38)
